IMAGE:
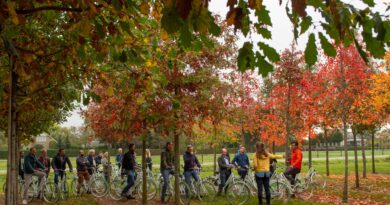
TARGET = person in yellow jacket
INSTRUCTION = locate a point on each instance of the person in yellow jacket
(261, 165)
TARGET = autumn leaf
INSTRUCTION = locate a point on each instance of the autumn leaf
(299, 6)
(144, 8)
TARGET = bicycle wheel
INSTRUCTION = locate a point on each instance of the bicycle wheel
(319, 181)
(206, 191)
(116, 187)
(306, 193)
(73, 186)
(185, 193)
(31, 192)
(50, 193)
(238, 193)
(98, 187)
(151, 189)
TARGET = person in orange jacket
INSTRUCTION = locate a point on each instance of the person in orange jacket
(296, 163)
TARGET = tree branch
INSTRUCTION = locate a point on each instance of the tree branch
(46, 8)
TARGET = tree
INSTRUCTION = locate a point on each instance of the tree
(349, 77)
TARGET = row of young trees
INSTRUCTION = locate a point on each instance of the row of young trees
(54, 51)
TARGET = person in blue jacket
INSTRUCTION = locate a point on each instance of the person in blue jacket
(241, 160)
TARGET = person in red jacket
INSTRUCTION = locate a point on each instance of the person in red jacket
(296, 163)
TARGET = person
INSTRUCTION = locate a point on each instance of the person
(59, 166)
(148, 157)
(21, 163)
(261, 165)
(45, 160)
(128, 167)
(30, 164)
(118, 158)
(296, 163)
(82, 170)
(166, 168)
(241, 160)
(106, 166)
(191, 163)
(98, 159)
(224, 169)
(92, 162)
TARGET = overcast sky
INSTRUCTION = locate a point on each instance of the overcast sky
(282, 35)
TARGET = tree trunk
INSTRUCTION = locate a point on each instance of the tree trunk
(356, 159)
(310, 162)
(286, 147)
(273, 147)
(345, 190)
(12, 176)
(373, 150)
(215, 150)
(177, 168)
(327, 151)
(364, 158)
(144, 178)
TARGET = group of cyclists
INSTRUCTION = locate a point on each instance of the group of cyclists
(31, 165)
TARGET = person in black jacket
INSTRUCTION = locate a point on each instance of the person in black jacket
(30, 164)
(191, 163)
(224, 169)
(128, 167)
(59, 165)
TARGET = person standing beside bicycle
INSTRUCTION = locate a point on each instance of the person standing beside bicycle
(148, 158)
(166, 168)
(224, 169)
(296, 163)
(92, 162)
(59, 165)
(128, 167)
(118, 158)
(30, 164)
(82, 170)
(190, 164)
(261, 165)
(45, 160)
(241, 160)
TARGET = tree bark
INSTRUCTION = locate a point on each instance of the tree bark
(12, 176)
(345, 190)
(215, 150)
(144, 177)
(373, 150)
(310, 162)
(177, 168)
(327, 151)
(364, 157)
(357, 184)
(286, 147)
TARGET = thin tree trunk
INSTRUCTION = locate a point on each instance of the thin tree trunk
(364, 158)
(286, 147)
(356, 159)
(12, 192)
(373, 150)
(177, 168)
(273, 147)
(345, 190)
(310, 162)
(327, 151)
(215, 150)
(144, 178)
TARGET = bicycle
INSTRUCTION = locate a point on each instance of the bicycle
(236, 191)
(184, 197)
(283, 189)
(119, 183)
(44, 189)
(96, 185)
(62, 186)
(203, 190)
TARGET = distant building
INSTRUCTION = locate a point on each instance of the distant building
(42, 139)
(350, 141)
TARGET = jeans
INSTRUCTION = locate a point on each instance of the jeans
(28, 180)
(130, 181)
(166, 177)
(263, 182)
(291, 173)
(223, 177)
(59, 174)
(189, 174)
(242, 173)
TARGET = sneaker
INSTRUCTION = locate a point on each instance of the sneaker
(24, 201)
